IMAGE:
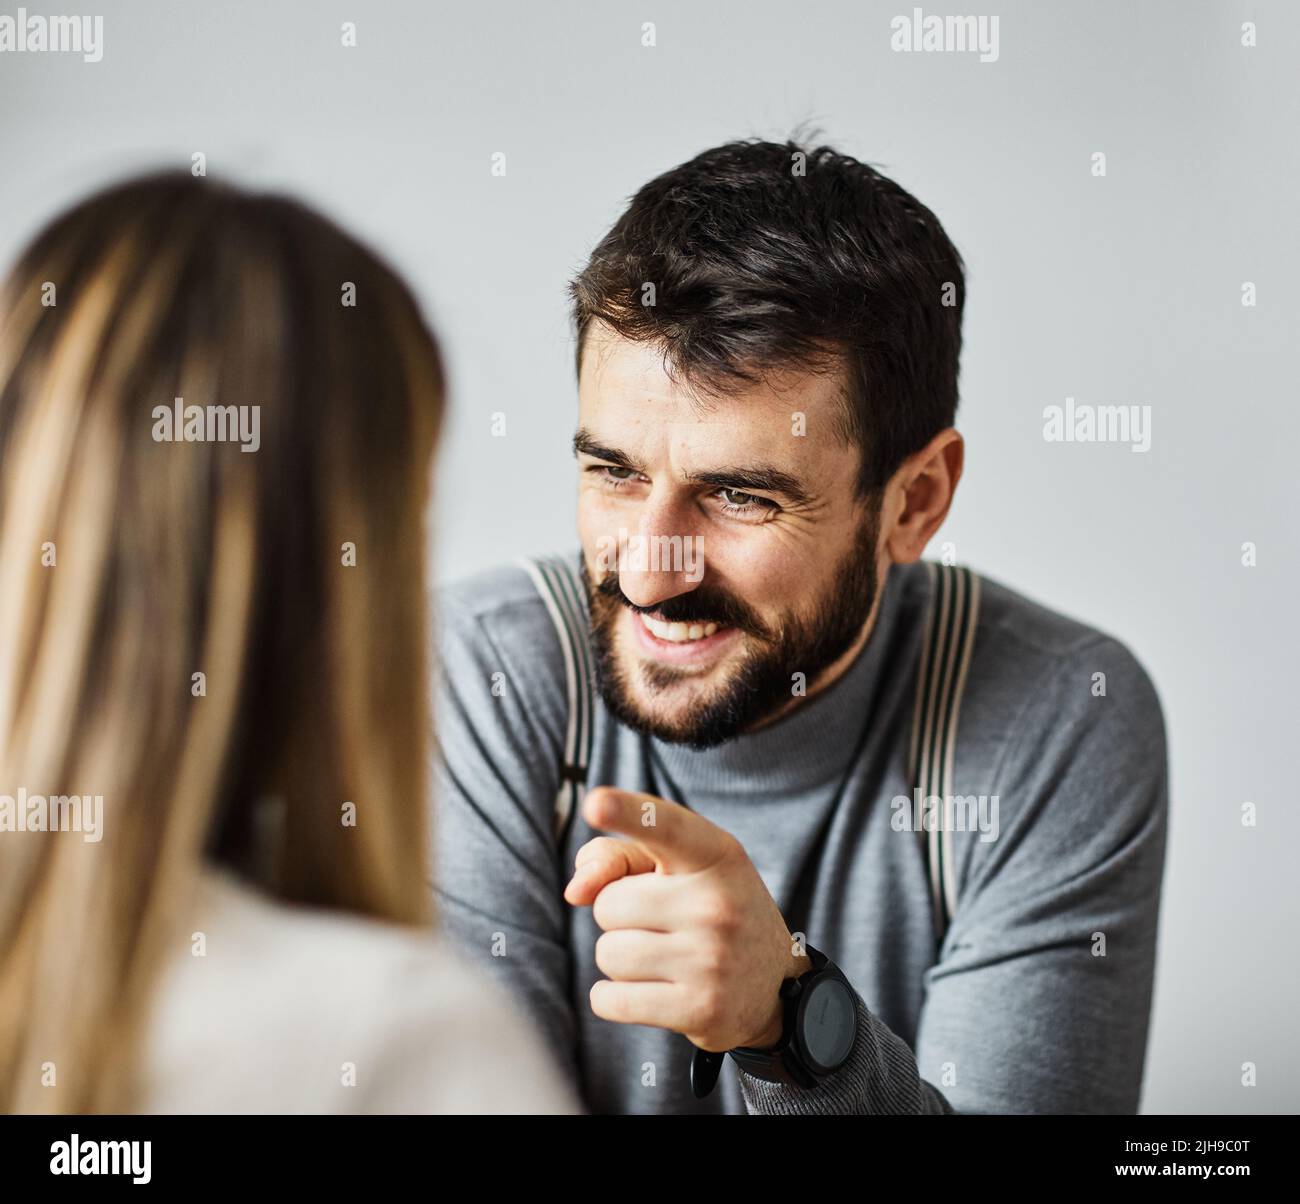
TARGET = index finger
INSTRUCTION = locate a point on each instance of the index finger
(679, 840)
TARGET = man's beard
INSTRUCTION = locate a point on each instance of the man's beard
(764, 681)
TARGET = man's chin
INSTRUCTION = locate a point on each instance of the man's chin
(678, 705)
(686, 727)
(698, 697)
(666, 690)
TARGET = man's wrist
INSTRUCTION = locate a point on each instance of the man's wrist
(772, 1034)
(798, 966)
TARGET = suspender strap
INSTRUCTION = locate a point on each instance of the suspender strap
(565, 598)
(947, 640)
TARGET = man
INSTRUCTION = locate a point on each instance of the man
(768, 344)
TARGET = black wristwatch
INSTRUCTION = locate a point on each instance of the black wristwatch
(819, 1027)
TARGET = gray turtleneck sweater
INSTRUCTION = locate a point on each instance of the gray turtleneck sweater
(1038, 997)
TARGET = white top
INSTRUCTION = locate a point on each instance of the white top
(296, 1009)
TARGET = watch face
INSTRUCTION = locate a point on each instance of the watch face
(829, 1022)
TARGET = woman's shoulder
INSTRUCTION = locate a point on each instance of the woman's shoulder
(271, 1007)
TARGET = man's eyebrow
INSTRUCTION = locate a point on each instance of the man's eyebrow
(585, 445)
(755, 477)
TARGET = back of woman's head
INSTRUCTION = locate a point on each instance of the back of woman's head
(217, 412)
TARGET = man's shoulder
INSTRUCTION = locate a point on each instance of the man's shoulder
(1027, 630)
(503, 593)
(1035, 666)
(496, 621)
(505, 604)
(1007, 614)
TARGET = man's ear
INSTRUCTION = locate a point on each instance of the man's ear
(919, 494)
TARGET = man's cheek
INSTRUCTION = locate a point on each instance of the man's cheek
(598, 535)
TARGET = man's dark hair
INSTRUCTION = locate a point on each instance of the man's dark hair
(767, 255)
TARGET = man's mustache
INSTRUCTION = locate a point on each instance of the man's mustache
(699, 606)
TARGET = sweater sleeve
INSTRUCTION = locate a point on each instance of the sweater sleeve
(879, 1078)
(1040, 999)
(497, 880)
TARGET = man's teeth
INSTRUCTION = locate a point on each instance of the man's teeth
(678, 633)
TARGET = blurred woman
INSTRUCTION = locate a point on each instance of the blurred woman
(217, 418)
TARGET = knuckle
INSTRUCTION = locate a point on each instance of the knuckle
(713, 957)
(597, 849)
(708, 1010)
(732, 849)
(588, 853)
(603, 910)
(719, 914)
(602, 1000)
(602, 952)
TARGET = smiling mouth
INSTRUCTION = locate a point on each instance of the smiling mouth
(678, 633)
(682, 644)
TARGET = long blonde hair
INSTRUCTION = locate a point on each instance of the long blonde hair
(200, 634)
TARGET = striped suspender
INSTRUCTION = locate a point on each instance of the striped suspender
(566, 603)
(946, 645)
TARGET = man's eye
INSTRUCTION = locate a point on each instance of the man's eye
(736, 503)
(619, 474)
(741, 500)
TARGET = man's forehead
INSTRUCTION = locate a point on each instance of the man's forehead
(628, 394)
(687, 446)
(613, 363)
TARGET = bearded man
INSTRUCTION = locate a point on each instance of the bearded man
(732, 909)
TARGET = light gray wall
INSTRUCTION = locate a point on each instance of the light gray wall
(1117, 290)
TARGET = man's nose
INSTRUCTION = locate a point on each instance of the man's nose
(658, 567)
